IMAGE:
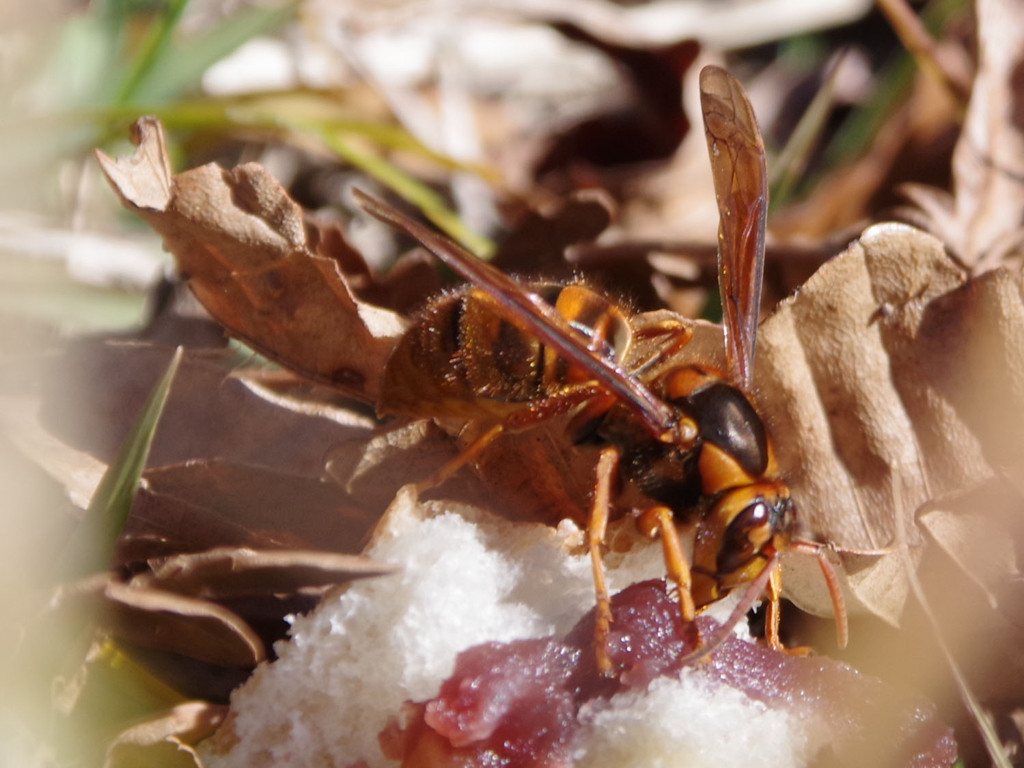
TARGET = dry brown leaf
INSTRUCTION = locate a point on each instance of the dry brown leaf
(889, 372)
(228, 572)
(166, 740)
(77, 472)
(246, 250)
(645, 123)
(164, 621)
(537, 245)
(261, 543)
(200, 505)
(198, 629)
(93, 391)
(406, 286)
(372, 471)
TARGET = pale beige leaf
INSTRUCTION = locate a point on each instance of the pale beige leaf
(166, 740)
(235, 571)
(889, 373)
(988, 163)
(978, 530)
(145, 178)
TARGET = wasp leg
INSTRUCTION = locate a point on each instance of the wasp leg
(773, 614)
(466, 456)
(659, 521)
(832, 582)
(679, 336)
(555, 405)
(747, 600)
(535, 414)
(607, 465)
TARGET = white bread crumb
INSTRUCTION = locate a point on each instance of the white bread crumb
(467, 577)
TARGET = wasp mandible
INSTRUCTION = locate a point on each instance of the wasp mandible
(513, 355)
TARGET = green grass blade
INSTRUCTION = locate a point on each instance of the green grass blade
(182, 66)
(355, 141)
(792, 161)
(285, 114)
(156, 43)
(92, 545)
(893, 84)
(410, 189)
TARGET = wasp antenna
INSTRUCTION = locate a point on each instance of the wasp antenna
(871, 551)
(832, 581)
(750, 596)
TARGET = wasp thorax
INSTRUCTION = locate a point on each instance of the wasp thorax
(724, 416)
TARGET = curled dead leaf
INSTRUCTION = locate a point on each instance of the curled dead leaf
(538, 243)
(199, 629)
(167, 738)
(988, 163)
(981, 220)
(406, 285)
(978, 530)
(890, 379)
(373, 470)
(247, 253)
(237, 571)
(160, 620)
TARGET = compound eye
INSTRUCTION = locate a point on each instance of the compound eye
(748, 533)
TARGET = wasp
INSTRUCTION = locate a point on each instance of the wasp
(511, 355)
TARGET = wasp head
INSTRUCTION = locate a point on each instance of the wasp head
(736, 539)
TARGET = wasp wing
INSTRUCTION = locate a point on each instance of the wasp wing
(741, 189)
(530, 312)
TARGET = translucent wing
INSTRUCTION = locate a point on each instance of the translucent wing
(529, 311)
(741, 189)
